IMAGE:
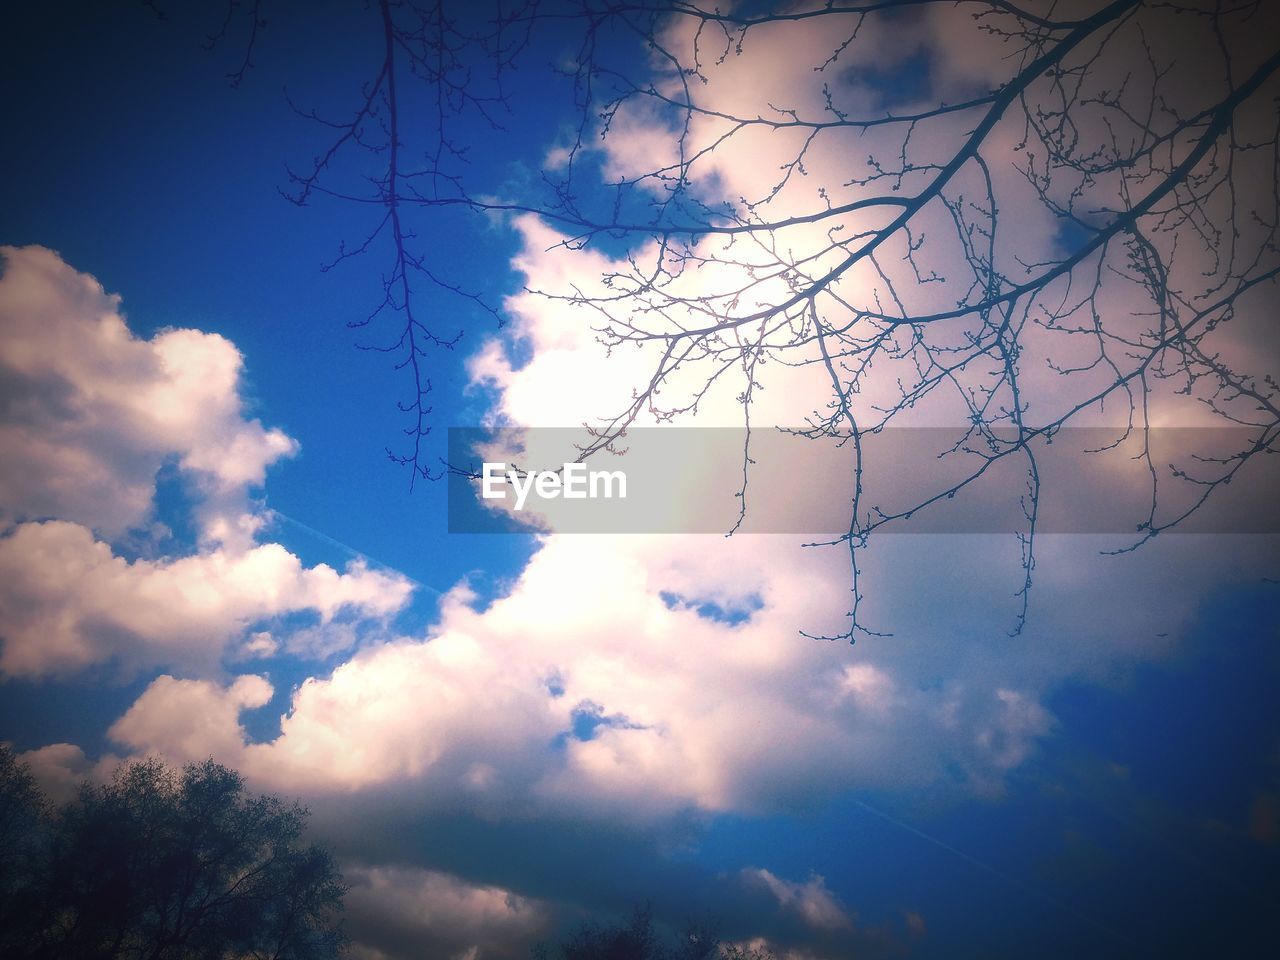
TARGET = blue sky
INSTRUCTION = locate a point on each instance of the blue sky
(200, 191)
(1107, 783)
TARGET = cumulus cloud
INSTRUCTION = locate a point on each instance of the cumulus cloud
(189, 720)
(406, 911)
(584, 693)
(68, 602)
(60, 768)
(811, 899)
(91, 412)
(773, 74)
(950, 670)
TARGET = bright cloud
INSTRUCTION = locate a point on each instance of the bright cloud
(811, 899)
(582, 693)
(92, 412)
(189, 720)
(410, 911)
(68, 602)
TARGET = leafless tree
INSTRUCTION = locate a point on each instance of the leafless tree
(1095, 198)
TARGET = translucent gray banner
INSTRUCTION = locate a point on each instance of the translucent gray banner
(904, 480)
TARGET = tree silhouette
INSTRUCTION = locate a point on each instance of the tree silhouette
(1063, 230)
(24, 814)
(163, 865)
(634, 939)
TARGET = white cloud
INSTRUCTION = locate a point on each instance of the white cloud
(485, 712)
(752, 717)
(91, 412)
(60, 768)
(68, 602)
(687, 713)
(811, 900)
(427, 912)
(189, 720)
(88, 414)
(571, 378)
(260, 643)
(491, 711)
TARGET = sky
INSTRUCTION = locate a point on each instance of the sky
(206, 550)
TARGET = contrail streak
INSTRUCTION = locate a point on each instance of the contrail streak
(353, 552)
(1019, 884)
